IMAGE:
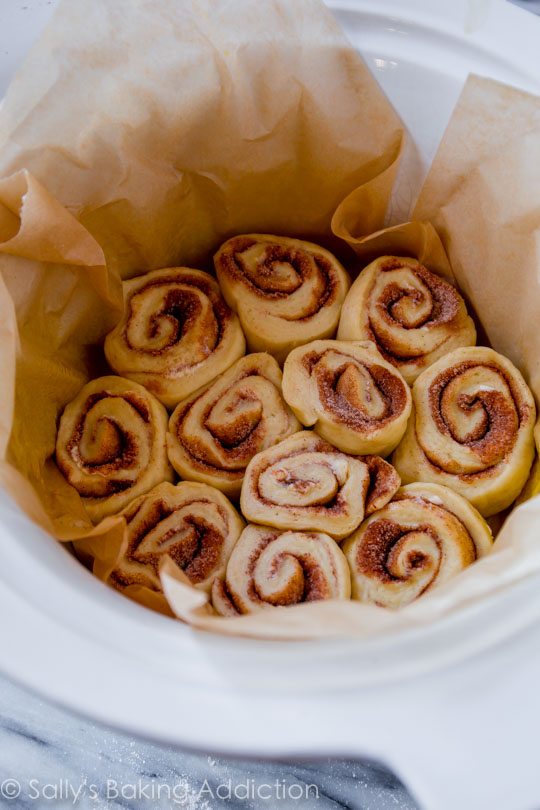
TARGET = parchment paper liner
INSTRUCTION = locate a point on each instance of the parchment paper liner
(192, 128)
(480, 265)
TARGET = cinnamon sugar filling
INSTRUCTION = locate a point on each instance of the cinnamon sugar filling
(281, 272)
(493, 436)
(339, 394)
(197, 552)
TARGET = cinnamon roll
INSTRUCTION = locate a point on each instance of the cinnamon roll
(286, 291)
(111, 444)
(217, 431)
(423, 537)
(268, 568)
(471, 429)
(305, 484)
(176, 335)
(351, 396)
(412, 315)
(193, 524)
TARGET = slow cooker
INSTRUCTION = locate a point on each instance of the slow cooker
(452, 708)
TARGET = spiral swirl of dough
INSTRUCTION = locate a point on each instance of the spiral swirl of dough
(216, 432)
(111, 444)
(268, 569)
(471, 429)
(351, 396)
(305, 484)
(413, 315)
(423, 537)
(193, 524)
(176, 335)
(286, 292)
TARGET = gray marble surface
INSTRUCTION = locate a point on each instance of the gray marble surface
(50, 758)
(530, 5)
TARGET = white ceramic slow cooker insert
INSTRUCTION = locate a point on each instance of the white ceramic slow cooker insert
(453, 708)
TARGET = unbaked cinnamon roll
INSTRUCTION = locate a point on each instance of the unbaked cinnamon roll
(423, 537)
(413, 315)
(286, 291)
(177, 333)
(305, 484)
(351, 396)
(471, 429)
(268, 568)
(217, 431)
(193, 524)
(111, 444)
